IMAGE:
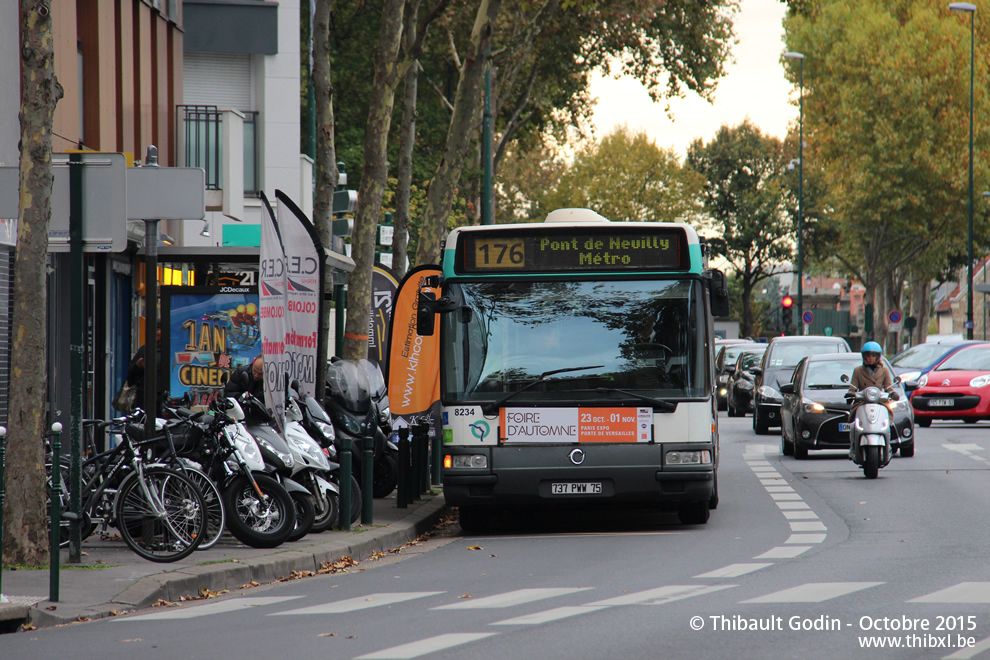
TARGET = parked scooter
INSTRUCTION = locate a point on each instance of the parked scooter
(386, 473)
(350, 407)
(870, 432)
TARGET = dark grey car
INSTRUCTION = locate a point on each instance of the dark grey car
(777, 367)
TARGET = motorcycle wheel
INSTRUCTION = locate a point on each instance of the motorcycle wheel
(327, 509)
(871, 461)
(386, 476)
(305, 514)
(259, 523)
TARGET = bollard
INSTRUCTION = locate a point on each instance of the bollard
(402, 486)
(3, 462)
(56, 521)
(435, 452)
(344, 456)
(368, 482)
(416, 471)
(424, 464)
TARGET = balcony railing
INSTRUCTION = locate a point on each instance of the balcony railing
(201, 144)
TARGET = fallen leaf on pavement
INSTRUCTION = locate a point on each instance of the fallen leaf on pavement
(465, 596)
(327, 635)
(475, 547)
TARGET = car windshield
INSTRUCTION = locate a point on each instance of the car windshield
(829, 374)
(976, 358)
(733, 351)
(787, 355)
(645, 336)
(750, 359)
(920, 356)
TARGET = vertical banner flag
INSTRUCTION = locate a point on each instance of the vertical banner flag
(413, 360)
(272, 304)
(383, 287)
(304, 264)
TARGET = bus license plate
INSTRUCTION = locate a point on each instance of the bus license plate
(943, 403)
(586, 488)
(844, 426)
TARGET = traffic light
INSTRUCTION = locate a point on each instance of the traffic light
(786, 307)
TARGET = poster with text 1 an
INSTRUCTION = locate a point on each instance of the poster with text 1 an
(207, 333)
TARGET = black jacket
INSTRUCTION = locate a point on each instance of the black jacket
(242, 380)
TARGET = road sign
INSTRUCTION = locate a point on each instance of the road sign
(910, 323)
(894, 316)
(828, 331)
(807, 317)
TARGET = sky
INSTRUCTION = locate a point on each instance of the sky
(754, 87)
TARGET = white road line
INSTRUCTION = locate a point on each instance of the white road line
(808, 527)
(424, 646)
(800, 515)
(509, 599)
(964, 592)
(733, 570)
(773, 482)
(813, 592)
(792, 505)
(779, 489)
(547, 616)
(361, 603)
(963, 449)
(971, 652)
(785, 496)
(218, 607)
(784, 552)
(805, 538)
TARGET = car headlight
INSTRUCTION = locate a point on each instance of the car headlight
(923, 381)
(768, 392)
(910, 375)
(723, 379)
(812, 406)
(703, 457)
(466, 461)
(980, 381)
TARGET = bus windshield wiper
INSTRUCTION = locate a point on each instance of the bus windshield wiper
(492, 408)
(665, 406)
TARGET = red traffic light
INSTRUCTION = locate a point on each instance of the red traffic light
(787, 301)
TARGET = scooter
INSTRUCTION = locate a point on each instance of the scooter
(386, 469)
(870, 432)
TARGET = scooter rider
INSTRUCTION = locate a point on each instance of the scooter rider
(872, 373)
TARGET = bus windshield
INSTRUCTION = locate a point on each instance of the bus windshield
(641, 336)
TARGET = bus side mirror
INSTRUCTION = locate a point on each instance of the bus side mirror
(426, 314)
(718, 291)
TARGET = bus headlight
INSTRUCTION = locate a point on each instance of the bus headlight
(475, 461)
(703, 457)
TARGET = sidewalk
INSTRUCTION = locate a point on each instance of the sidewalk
(129, 582)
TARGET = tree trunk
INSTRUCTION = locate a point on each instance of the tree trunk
(746, 327)
(25, 526)
(373, 181)
(463, 124)
(326, 166)
(407, 140)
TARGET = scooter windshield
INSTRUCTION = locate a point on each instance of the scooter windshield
(376, 381)
(347, 384)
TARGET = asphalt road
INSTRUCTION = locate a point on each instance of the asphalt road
(802, 559)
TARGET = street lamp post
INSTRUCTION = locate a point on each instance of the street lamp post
(971, 10)
(800, 219)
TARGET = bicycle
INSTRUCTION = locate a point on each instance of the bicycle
(159, 511)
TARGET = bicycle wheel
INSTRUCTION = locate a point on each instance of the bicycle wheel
(215, 515)
(170, 535)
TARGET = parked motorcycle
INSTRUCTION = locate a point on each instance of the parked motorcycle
(286, 463)
(259, 511)
(351, 408)
(869, 434)
(386, 472)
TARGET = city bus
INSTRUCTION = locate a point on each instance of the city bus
(576, 366)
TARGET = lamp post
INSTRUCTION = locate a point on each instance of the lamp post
(800, 219)
(971, 10)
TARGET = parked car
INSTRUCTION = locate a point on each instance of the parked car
(777, 367)
(742, 380)
(913, 363)
(725, 360)
(957, 388)
(815, 413)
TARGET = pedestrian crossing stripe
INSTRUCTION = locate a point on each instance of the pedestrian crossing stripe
(424, 646)
(733, 570)
(964, 592)
(360, 603)
(217, 607)
(509, 599)
(784, 552)
(813, 592)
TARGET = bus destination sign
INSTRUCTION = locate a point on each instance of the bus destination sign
(572, 249)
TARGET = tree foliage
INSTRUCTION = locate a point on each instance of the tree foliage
(625, 176)
(887, 117)
(745, 202)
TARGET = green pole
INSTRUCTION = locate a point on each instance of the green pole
(56, 520)
(77, 367)
(3, 462)
(486, 153)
